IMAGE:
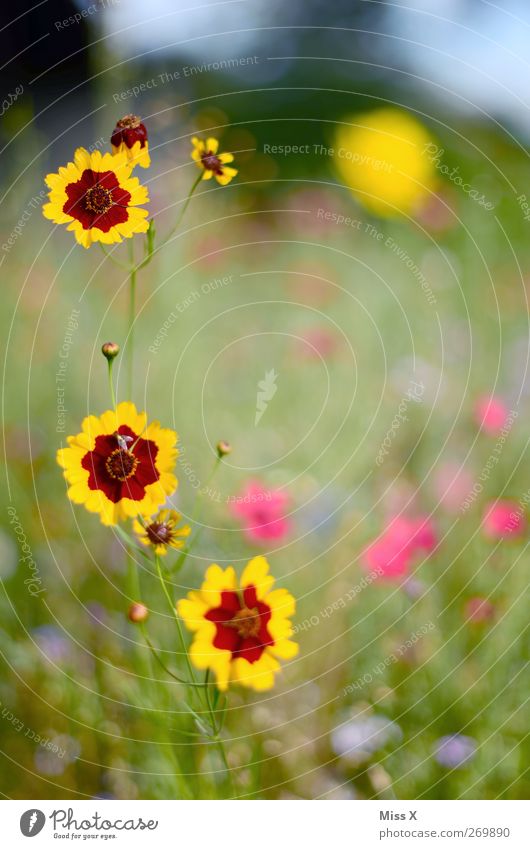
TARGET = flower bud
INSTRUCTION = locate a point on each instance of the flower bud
(223, 448)
(110, 350)
(138, 612)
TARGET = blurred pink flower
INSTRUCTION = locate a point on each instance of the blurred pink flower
(503, 518)
(478, 609)
(318, 341)
(452, 483)
(392, 553)
(491, 414)
(262, 512)
(436, 212)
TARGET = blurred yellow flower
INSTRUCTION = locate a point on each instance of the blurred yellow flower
(241, 628)
(162, 531)
(213, 164)
(381, 156)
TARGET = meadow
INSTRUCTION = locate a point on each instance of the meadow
(368, 368)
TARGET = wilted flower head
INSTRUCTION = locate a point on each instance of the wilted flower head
(504, 518)
(262, 512)
(454, 750)
(491, 414)
(130, 137)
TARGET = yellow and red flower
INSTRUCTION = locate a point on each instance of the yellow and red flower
(119, 465)
(213, 164)
(97, 197)
(241, 631)
(130, 137)
(162, 531)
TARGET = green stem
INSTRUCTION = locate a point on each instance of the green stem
(195, 516)
(182, 212)
(163, 665)
(217, 729)
(111, 384)
(176, 617)
(113, 259)
(132, 318)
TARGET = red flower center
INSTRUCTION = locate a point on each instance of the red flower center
(97, 200)
(121, 464)
(241, 624)
(212, 162)
(246, 622)
(159, 533)
(118, 472)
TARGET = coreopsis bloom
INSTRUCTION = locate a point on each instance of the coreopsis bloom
(262, 512)
(491, 414)
(162, 531)
(381, 156)
(213, 164)
(97, 197)
(504, 518)
(241, 630)
(130, 137)
(392, 554)
(119, 465)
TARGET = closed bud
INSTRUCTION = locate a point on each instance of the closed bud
(110, 350)
(138, 612)
(223, 448)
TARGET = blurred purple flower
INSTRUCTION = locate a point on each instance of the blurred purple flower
(52, 643)
(454, 750)
(50, 762)
(359, 739)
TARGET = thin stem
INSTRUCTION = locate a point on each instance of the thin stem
(163, 665)
(111, 384)
(195, 516)
(182, 212)
(113, 259)
(177, 618)
(132, 318)
(217, 729)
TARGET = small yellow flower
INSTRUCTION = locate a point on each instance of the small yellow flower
(240, 630)
(97, 197)
(213, 164)
(162, 531)
(382, 157)
(119, 465)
